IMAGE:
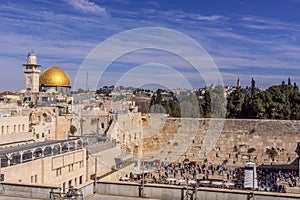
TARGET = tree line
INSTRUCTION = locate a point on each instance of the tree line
(277, 102)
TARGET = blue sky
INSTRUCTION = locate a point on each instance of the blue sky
(257, 38)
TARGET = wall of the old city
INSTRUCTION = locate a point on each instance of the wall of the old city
(179, 138)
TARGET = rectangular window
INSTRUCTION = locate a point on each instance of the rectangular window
(2, 129)
(58, 172)
(71, 168)
(7, 129)
(31, 179)
(75, 181)
(15, 128)
(64, 186)
(35, 179)
(81, 164)
(80, 179)
(19, 128)
(23, 127)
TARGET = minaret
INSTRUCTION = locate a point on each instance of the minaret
(238, 84)
(32, 73)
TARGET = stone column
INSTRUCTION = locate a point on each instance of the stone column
(76, 141)
(32, 152)
(60, 148)
(21, 156)
(43, 150)
(52, 149)
(9, 157)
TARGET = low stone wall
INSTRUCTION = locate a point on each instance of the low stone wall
(168, 192)
(87, 189)
(38, 191)
(118, 189)
(26, 191)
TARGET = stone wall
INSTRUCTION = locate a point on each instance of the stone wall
(168, 192)
(238, 141)
(38, 191)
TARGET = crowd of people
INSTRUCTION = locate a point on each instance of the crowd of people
(271, 180)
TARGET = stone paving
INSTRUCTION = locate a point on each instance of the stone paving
(93, 197)
(107, 197)
(14, 198)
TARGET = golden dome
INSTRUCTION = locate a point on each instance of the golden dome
(54, 77)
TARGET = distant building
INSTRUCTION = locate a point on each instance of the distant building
(9, 97)
(32, 72)
(14, 129)
(50, 87)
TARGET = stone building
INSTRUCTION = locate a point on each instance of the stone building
(8, 97)
(91, 120)
(51, 87)
(32, 72)
(14, 129)
(48, 123)
(53, 163)
(126, 130)
(34, 133)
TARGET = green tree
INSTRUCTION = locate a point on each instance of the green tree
(235, 103)
(256, 107)
(189, 104)
(206, 105)
(218, 102)
(253, 88)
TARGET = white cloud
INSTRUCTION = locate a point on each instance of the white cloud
(86, 6)
(254, 22)
(210, 18)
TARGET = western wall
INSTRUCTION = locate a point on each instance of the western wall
(215, 141)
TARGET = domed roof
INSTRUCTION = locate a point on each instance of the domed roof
(54, 77)
(23, 91)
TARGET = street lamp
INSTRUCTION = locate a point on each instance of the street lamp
(143, 180)
(140, 164)
(186, 161)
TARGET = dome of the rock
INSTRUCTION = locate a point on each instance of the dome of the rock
(54, 77)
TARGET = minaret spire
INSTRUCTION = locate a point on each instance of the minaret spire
(87, 82)
(32, 73)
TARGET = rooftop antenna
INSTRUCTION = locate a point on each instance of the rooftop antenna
(87, 82)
